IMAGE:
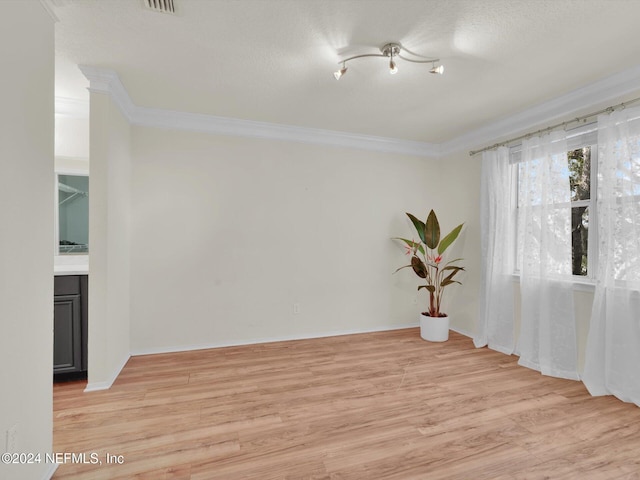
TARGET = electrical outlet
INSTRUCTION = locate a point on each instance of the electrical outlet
(12, 439)
(296, 308)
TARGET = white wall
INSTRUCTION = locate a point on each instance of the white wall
(229, 233)
(72, 137)
(26, 247)
(459, 201)
(109, 220)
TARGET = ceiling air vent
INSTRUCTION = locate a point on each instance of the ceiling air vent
(162, 6)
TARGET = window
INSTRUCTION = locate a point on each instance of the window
(580, 184)
(581, 177)
(73, 214)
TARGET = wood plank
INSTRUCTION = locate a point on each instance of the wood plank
(379, 405)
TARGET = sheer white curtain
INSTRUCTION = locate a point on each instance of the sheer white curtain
(496, 315)
(547, 340)
(612, 363)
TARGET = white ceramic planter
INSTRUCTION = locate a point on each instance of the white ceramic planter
(434, 329)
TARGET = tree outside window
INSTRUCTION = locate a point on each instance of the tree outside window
(580, 181)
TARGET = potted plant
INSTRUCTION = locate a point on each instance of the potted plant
(428, 263)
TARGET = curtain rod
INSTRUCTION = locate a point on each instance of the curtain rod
(557, 125)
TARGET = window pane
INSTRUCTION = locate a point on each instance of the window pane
(580, 173)
(73, 214)
(579, 239)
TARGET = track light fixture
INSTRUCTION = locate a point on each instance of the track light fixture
(393, 68)
(391, 50)
(439, 70)
(339, 73)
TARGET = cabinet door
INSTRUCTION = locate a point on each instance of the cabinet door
(67, 334)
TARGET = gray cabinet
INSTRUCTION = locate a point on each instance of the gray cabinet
(70, 324)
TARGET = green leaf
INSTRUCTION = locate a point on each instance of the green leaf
(449, 282)
(451, 275)
(453, 267)
(449, 239)
(418, 225)
(419, 267)
(411, 244)
(431, 288)
(432, 231)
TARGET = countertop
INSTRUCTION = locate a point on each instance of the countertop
(67, 265)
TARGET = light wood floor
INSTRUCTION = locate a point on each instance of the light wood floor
(385, 405)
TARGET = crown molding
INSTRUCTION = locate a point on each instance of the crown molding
(151, 117)
(560, 108)
(107, 81)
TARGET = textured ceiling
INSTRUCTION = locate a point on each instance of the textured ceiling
(272, 60)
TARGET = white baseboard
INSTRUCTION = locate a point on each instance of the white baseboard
(106, 385)
(462, 331)
(253, 341)
(50, 471)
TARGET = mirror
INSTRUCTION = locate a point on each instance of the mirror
(73, 214)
